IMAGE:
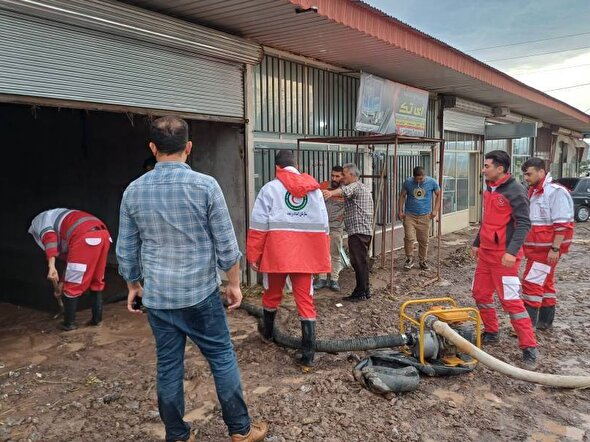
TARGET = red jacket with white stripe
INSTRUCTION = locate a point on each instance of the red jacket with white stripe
(53, 229)
(552, 213)
(289, 230)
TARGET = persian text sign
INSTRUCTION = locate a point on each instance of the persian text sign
(386, 107)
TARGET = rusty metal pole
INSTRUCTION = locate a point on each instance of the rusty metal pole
(441, 160)
(384, 176)
(298, 153)
(393, 213)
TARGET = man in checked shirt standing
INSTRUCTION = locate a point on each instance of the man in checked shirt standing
(358, 222)
(175, 230)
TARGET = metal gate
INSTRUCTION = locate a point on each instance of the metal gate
(50, 59)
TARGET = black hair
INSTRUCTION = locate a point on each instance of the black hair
(499, 158)
(338, 169)
(169, 134)
(285, 158)
(418, 171)
(535, 162)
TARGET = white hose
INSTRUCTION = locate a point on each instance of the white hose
(466, 347)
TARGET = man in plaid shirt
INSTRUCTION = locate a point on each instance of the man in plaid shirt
(175, 231)
(358, 222)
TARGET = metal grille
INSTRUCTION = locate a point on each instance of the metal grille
(317, 163)
(41, 58)
(294, 98)
(406, 161)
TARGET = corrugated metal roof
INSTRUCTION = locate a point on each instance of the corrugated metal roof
(354, 35)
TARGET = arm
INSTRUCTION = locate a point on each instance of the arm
(226, 245)
(562, 215)
(222, 230)
(437, 195)
(521, 214)
(128, 245)
(258, 230)
(401, 204)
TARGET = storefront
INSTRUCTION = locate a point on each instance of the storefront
(80, 82)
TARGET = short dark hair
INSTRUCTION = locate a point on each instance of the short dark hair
(285, 158)
(535, 162)
(338, 169)
(418, 171)
(499, 158)
(169, 134)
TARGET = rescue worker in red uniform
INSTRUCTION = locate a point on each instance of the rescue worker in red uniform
(552, 217)
(83, 241)
(289, 236)
(498, 249)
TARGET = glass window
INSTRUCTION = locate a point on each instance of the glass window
(521, 146)
(449, 186)
(462, 181)
(496, 145)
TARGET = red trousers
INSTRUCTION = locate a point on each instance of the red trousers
(538, 283)
(491, 276)
(86, 262)
(274, 283)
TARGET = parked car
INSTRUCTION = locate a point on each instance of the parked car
(580, 191)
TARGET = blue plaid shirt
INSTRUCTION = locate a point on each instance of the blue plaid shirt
(174, 232)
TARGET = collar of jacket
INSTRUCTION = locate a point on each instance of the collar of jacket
(540, 187)
(500, 182)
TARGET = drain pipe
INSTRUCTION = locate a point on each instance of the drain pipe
(466, 347)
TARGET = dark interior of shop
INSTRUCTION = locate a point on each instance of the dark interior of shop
(81, 159)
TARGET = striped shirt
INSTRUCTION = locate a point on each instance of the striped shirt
(174, 232)
(358, 209)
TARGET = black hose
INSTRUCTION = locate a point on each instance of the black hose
(331, 345)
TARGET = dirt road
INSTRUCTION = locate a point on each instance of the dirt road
(97, 384)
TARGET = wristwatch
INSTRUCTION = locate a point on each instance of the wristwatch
(555, 249)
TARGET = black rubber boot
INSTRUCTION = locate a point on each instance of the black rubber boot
(268, 324)
(546, 316)
(533, 313)
(70, 306)
(490, 337)
(530, 357)
(96, 309)
(307, 344)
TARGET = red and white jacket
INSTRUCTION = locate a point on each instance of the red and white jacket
(552, 213)
(289, 230)
(53, 229)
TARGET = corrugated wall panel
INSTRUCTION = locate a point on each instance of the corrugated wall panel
(293, 98)
(42, 58)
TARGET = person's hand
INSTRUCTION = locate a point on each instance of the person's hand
(135, 291)
(475, 252)
(255, 266)
(52, 275)
(233, 292)
(327, 194)
(401, 216)
(552, 257)
(58, 290)
(508, 260)
(433, 215)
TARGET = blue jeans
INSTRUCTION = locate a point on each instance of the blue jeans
(206, 325)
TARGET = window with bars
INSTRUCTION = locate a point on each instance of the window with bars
(456, 184)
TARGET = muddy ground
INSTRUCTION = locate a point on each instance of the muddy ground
(97, 384)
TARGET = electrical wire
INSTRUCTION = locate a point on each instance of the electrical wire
(567, 87)
(526, 42)
(536, 55)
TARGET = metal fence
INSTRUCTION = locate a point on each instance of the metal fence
(319, 163)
